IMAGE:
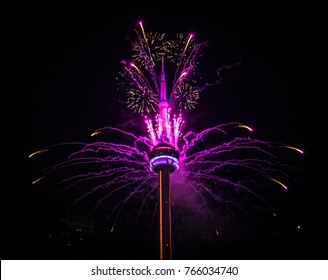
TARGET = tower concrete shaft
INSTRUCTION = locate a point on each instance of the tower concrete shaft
(164, 159)
(165, 225)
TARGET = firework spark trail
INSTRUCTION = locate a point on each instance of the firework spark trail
(137, 101)
(206, 162)
(184, 68)
(121, 167)
(145, 53)
(196, 166)
(127, 168)
(188, 68)
(149, 48)
(218, 180)
(117, 209)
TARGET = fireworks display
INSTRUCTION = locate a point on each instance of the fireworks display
(141, 81)
(225, 175)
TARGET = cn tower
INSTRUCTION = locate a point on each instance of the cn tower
(164, 159)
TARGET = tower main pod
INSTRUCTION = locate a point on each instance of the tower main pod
(164, 159)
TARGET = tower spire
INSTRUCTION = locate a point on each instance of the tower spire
(163, 83)
(164, 159)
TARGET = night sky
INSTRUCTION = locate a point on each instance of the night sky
(64, 65)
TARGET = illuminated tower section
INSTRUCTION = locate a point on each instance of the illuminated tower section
(163, 107)
(164, 159)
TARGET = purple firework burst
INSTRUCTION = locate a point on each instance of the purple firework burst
(225, 175)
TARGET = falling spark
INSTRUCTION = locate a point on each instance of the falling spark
(245, 126)
(294, 148)
(37, 180)
(277, 181)
(95, 133)
(143, 31)
(184, 50)
(38, 152)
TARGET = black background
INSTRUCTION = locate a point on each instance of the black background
(64, 62)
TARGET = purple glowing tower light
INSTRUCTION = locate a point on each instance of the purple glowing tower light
(127, 166)
(164, 159)
(173, 149)
(166, 130)
(164, 155)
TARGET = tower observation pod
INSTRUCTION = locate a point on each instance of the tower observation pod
(164, 159)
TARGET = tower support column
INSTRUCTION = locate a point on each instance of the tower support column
(165, 228)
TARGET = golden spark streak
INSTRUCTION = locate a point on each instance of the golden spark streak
(281, 184)
(38, 152)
